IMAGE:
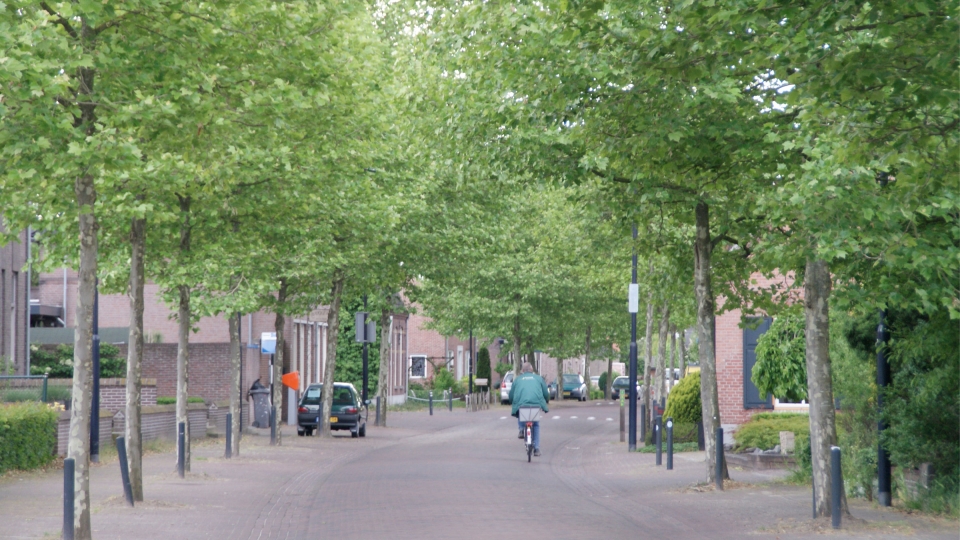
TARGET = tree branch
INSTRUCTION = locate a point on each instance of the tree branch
(60, 20)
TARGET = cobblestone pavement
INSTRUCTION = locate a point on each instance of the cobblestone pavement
(454, 475)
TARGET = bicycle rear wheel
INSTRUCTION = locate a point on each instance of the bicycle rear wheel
(529, 452)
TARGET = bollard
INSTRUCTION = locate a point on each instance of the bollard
(181, 448)
(450, 400)
(701, 439)
(124, 471)
(623, 429)
(658, 438)
(836, 482)
(229, 452)
(814, 501)
(431, 403)
(643, 421)
(669, 444)
(718, 466)
(273, 426)
(378, 412)
(68, 494)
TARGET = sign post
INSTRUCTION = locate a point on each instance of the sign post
(268, 345)
(366, 334)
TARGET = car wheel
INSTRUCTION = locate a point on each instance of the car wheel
(354, 434)
(362, 431)
(300, 432)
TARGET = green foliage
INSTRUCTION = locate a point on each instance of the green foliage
(28, 435)
(444, 380)
(602, 383)
(651, 448)
(502, 369)
(58, 364)
(683, 401)
(683, 433)
(763, 430)
(781, 367)
(350, 352)
(172, 400)
(483, 364)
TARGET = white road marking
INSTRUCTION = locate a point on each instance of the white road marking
(573, 417)
(556, 417)
(591, 418)
(503, 417)
(609, 419)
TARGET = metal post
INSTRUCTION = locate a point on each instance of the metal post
(836, 482)
(95, 407)
(883, 379)
(181, 448)
(450, 400)
(431, 403)
(632, 391)
(643, 421)
(658, 438)
(273, 426)
(623, 415)
(669, 444)
(366, 339)
(470, 366)
(701, 437)
(718, 466)
(242, 352)
(43, 397)
(378, 411)
(814, 500)
(229, 452)
(68, 494)
(124, 471)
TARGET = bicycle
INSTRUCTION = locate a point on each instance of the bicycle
(528, 415)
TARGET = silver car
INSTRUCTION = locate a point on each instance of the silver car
(505, 388)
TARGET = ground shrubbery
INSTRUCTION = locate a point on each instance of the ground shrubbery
(683, 402)
(58, 364)
(763, 430)
(172, 400)
(28, 435)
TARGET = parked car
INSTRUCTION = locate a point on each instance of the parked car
(574, 387)
(622, 384)
(346, 413)
(505, 388)
(552, 390)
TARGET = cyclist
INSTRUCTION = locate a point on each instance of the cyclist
(529, 390)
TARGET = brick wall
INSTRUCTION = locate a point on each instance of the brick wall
(63, 430)
(208, 375)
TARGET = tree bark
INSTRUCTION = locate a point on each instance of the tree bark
(823, 428)
(683, 355)
(183, 336)
(279, 323)
(586, 361)
(233, 323)
(648, 356)
(706, 328)
(383, 380)
(78, 447)
(333, 327)
(661, 390)
(132, 433)
(671, 380)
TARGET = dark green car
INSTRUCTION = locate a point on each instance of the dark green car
(347, 413)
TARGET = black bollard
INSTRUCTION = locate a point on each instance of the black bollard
(701, 440)
(658, 438)
(229, 452)
(814, 500)
(378, 412)
(450, 400)
(124, 471)
(181, 448)
(273, 426)
(68, 494)
(718, 466)
(836, 481)
(643, 422)
(431, 403)
(669, 444)
(623, 425)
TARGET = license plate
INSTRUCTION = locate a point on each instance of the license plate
(333, 419)
(566, 393)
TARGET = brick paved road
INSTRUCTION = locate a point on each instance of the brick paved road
(453, 475)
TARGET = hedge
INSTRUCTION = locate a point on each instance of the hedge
(28, 435)
(682, 433)
(763, 430)
(683, 402)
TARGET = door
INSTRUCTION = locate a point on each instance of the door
(751, 395)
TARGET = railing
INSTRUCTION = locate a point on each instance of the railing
(22, 388)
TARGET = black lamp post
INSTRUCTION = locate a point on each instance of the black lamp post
(632, 436)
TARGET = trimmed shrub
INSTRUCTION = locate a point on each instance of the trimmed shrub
(28, 435)
(682, 433)
(483, 364)
(763, 430)
(58, 364)
(602, 383)
(683, 402)
(172, 400)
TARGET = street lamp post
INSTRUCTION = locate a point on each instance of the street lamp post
(633, 306)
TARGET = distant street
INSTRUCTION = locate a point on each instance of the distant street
(452, 475)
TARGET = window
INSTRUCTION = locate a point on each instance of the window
(751, 394)
(418, 366)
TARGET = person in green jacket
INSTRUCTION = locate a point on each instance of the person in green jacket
(529, 390)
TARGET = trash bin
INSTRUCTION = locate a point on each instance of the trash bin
(261, 405)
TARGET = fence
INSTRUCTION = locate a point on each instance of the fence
(23, 388)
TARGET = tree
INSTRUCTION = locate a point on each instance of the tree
(780, 369)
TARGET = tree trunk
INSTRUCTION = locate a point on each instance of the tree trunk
(671, 380)
(661, 390)
(516, 346)
(559, 379)
(383, 380)
(648, 356)
(183, 337)
(78, 447)
(823, 427)
(706, 328)
(333, 327)
(279, 323)
(607, 390)
(586, 361)
(235, 363)
(683, 354)
(132, 435)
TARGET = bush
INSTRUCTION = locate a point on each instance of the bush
(483, 364)
(602, 383)
(763, 430)
(682, 433)
(444, 380)
(28, 435)
(172, 400)
(59, 363)
(683, 402)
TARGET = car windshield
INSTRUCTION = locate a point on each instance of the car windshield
(508, 377)
(620, 381)
(342, 395)
(571, 379)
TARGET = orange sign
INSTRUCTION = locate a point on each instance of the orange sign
(291, 380)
